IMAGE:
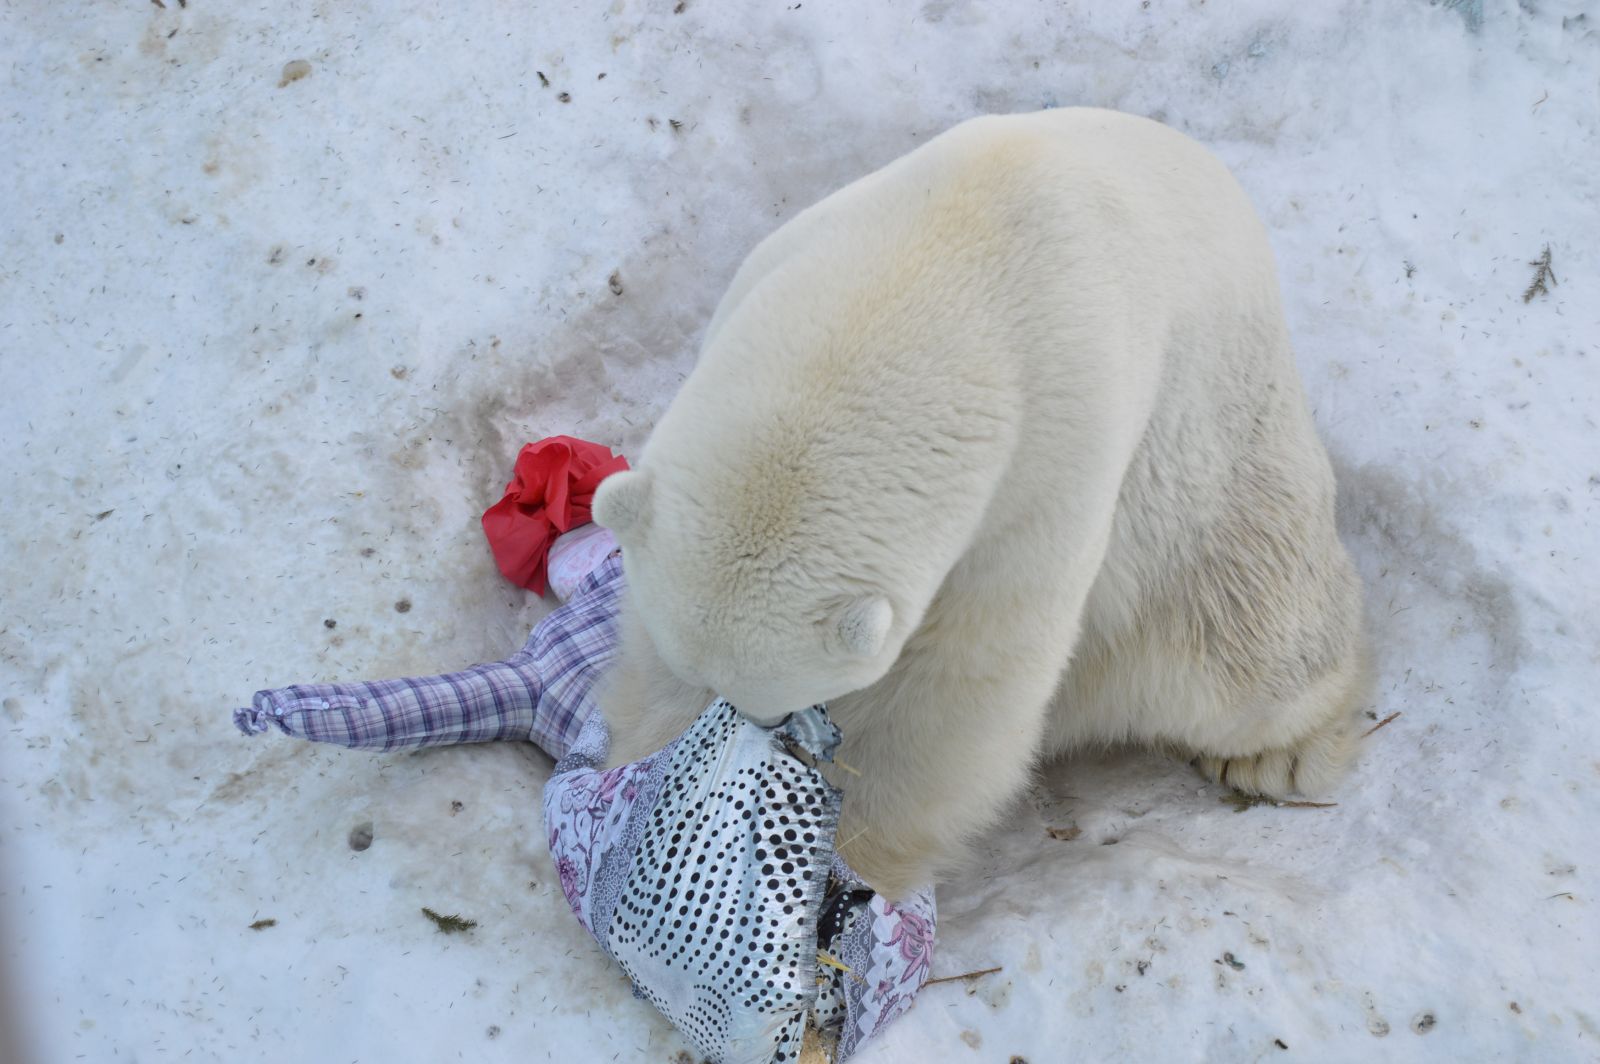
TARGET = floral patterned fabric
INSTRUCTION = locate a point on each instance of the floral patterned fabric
(888, 949)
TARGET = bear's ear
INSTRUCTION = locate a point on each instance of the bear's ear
(863, 625)
(622, 503)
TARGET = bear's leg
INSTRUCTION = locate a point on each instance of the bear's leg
(1237, 640)
(1267, 731)
(949, 739)
(938, 763)
(1269, 616)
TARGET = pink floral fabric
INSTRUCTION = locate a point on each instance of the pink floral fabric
(585, 823)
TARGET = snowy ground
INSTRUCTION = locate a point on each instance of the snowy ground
(268, 346)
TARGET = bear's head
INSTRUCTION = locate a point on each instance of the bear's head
(752, 587)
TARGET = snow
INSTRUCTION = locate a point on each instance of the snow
(269, 349)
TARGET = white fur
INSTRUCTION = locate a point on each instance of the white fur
(1023, 397)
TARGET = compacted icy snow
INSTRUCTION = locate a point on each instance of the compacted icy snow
(283, 287)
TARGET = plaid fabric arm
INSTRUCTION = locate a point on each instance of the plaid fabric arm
(542, 694)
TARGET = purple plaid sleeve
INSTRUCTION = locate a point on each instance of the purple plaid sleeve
(570, 650)
(543, 693)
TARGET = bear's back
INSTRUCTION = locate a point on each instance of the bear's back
(952, 326)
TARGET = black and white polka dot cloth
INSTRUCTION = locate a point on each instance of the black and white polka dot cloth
(717, 923)
(704, 870)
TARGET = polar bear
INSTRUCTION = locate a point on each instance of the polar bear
(1000, 452)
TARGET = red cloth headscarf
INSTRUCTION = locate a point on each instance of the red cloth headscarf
(551, 491)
